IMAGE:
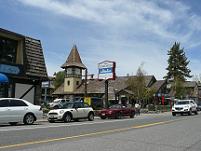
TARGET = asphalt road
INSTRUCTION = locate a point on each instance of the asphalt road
(152, 132)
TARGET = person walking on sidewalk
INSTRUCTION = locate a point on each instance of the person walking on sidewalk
(137, 108)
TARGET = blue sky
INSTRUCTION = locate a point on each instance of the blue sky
(129, 32)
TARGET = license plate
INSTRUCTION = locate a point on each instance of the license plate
(51, 116)
(103, 114)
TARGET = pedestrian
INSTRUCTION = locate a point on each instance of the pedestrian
(137, 108)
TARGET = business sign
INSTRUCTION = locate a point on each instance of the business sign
(46, 84)
(106, 70)
(11, 69)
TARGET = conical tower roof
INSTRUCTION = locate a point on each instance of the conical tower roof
(73, 59)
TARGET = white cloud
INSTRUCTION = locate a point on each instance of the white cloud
(130, 31)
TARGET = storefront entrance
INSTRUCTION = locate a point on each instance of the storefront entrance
(3, 86)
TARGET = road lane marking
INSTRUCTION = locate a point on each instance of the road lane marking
(85, 135)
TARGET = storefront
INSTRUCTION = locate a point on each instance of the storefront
(3, 85)
(22, 66)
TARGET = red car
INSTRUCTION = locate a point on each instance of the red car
(117, 111)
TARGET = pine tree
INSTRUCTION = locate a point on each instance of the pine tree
(177, 68)
(177, 64)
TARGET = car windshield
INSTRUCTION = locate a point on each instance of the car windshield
(182, 102)
(67, 106)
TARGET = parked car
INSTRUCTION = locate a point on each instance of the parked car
(117, 111)
(199, 106)
(13, 111)
(58, 103)
(71, 111)
(184, 106)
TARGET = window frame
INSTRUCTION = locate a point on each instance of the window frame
(6, 101)
(18, 101)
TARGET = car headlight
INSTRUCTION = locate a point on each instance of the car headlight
(186, 107)
(61, 112)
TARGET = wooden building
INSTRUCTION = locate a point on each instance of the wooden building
(22, 62)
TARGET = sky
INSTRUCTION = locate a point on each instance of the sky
(130, 32)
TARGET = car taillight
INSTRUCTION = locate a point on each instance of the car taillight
(110, 112)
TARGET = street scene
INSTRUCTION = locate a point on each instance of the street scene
(100, 75)
(159, 131)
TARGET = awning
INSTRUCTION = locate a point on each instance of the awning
(3, 78)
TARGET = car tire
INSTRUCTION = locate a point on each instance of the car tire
(91, 116)
(173, 114)
(29, 119)
(132, 115)
(190, 112)
(103, 117)
(67, 118)
(196, 112)
(118, 115)
(13, 123)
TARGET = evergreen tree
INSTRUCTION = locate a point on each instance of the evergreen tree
(177, 69)
(177, 64)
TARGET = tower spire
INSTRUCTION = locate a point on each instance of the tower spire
(73, 59)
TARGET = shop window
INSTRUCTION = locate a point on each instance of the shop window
(77, 82)
(68, 82)
(8, 50)
(3, 91)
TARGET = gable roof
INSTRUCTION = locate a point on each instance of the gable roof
(158, 84)
(73, 59)
(98, 86)
(35, 62)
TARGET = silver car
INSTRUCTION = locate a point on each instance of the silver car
(13, 111)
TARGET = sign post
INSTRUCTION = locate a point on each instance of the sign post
(106, 71)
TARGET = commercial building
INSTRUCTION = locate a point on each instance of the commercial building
(22, 66)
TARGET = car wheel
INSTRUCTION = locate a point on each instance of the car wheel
(13, 123)
(118, 115)
(132, 115)
(190, 112)
(173, 114)
(196, 112)
(29, 119)
(67, 118)
(91, 116)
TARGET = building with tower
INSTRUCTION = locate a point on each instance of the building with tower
(73, 75)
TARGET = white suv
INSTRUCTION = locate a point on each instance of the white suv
(72, 110)
(184, 106)
(57, 103)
